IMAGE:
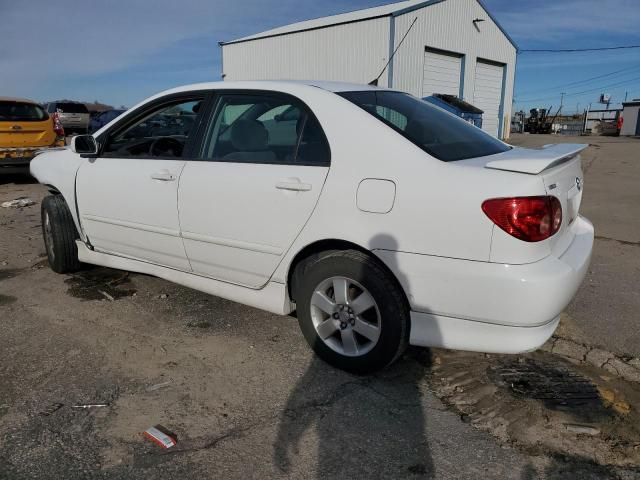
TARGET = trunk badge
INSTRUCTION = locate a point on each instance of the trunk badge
(16, 127)
(578, 184)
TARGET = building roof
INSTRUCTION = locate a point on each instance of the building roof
(389, 10)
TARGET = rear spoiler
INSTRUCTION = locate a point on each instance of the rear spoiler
(524, 160)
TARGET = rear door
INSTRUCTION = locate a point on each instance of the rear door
(264, 162)
(127, 197)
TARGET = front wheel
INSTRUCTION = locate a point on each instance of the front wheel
(351, 311)
(60, 235)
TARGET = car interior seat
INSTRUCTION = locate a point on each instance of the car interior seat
(250, 139)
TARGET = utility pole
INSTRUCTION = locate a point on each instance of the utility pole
(561, 100)
(625, 96)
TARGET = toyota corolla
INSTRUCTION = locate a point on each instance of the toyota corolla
(381, 220)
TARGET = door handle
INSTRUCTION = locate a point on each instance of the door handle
(163, 176)
(294, 186)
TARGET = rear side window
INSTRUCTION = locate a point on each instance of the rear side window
(265, 128)
(68, 107)
(21, 112)
(439, 133)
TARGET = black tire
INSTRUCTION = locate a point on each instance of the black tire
(393, 319)
(60, 235)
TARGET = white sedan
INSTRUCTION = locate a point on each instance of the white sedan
(380, 219)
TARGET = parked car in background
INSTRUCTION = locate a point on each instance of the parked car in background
(382, 220)
(101, 119)
(74, 116)
(25, 128)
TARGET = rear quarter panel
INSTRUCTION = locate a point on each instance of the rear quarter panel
(437, 209)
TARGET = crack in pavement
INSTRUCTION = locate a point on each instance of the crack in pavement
(622, 242)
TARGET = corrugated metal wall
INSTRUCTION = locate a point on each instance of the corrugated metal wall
(354, 52)
(449, 26)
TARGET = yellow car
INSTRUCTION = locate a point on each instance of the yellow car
(25, 128)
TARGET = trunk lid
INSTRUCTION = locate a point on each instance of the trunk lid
(16, 134)
(560, 168)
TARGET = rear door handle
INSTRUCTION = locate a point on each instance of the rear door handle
(163, 176)
(294, 186)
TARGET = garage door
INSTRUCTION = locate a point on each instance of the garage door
(487, 94)
(441, 73)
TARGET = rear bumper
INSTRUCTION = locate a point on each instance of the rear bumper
(74, 124)
(458, 334)
(491, 307)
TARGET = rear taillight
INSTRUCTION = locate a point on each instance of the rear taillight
(57, 125)
(531, 219)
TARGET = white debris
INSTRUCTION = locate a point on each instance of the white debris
(107, 296)
(582, 429)
(158, 386)
(18, 203)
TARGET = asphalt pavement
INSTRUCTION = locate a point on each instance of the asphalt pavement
(240, 388)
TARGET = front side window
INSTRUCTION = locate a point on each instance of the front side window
(439, 133)
(163, 132)
(265, 129)
(21, 112)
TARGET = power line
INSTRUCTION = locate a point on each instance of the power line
(573, 94)
(571, 50)
(586, 80)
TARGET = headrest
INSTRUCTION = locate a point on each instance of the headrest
(249, 136)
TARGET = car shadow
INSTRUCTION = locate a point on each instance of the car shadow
(364, 426)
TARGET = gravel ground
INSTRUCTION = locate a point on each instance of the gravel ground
(240, 388)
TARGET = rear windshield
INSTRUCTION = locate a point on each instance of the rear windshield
(71, 108)
(21, 112)
(439, 133)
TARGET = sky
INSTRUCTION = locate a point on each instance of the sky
(122, 51)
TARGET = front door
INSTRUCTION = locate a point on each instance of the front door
(127, 197)
(265, 160)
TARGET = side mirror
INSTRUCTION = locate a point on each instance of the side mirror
(85, 145)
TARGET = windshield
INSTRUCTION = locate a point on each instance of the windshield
(71, 108)
(21, 112)
(439, 133)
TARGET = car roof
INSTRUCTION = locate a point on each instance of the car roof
(284, 85)
(17, 99)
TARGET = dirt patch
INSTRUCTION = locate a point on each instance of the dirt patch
(6, 300)
(8, 273)
(100, 284)
(544, 404)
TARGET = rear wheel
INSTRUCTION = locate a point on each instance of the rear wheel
(60, 235)
(351, 311)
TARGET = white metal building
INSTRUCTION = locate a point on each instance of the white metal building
(455, 47)
(631, 115)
